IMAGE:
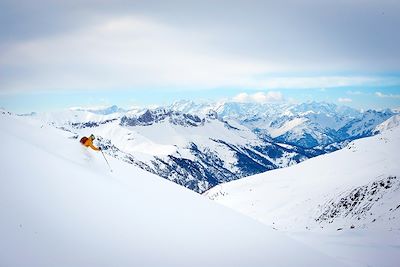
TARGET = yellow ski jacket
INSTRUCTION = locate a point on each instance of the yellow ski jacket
(89, 143)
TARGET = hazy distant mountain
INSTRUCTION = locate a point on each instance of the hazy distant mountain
(312, 124)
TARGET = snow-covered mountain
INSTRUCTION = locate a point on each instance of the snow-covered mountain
(309, 125)
(200, 145)
(358, 185)
(102, 110)
(196, 152)
(351, 197)
(393, 122)
(60, 206)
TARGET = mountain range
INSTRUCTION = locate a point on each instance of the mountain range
(201, 145)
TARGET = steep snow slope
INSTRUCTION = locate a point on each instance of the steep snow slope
(390, 123)
(196, 152)
(355, 190)
(356, 185)
(60, 206)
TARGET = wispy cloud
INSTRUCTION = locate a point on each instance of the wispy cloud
(318, 82)
(382, 95)
(344, 100)
(259, 97)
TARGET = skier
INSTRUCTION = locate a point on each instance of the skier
(88, 142)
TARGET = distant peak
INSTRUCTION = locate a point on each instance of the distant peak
(102, 110)
(4, 111)
(392, 122)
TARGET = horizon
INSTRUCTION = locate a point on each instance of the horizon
(25, 103)
(151, 106)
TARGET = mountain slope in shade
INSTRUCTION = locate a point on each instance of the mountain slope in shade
(351, 197)
(60, 206)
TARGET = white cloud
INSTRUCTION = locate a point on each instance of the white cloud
(137, 44)
(124, 53)
(344, 100)
(242, 97)
(259, 97)
(136, 52)
(325, 81)
(382, 95)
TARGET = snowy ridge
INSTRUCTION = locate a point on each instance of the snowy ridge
(62, 207)
(359, 172)
(349, 199)
(388, 124)
(193, 151)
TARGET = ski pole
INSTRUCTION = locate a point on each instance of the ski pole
(106, 160)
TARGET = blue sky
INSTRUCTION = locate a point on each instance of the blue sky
(58, 54)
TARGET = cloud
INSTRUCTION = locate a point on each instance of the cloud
(382, 95)
(123, 53)
(289, 32)
(136, 52)
(85, 44)
(344, 100)
(259, 97)
(318, 82)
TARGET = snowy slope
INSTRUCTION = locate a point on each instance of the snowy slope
(366, 174)
(346, 203)
(196, 152)
(60, 206)
(390, 123)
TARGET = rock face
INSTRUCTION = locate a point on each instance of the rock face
(356, 204)
(155, 116)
